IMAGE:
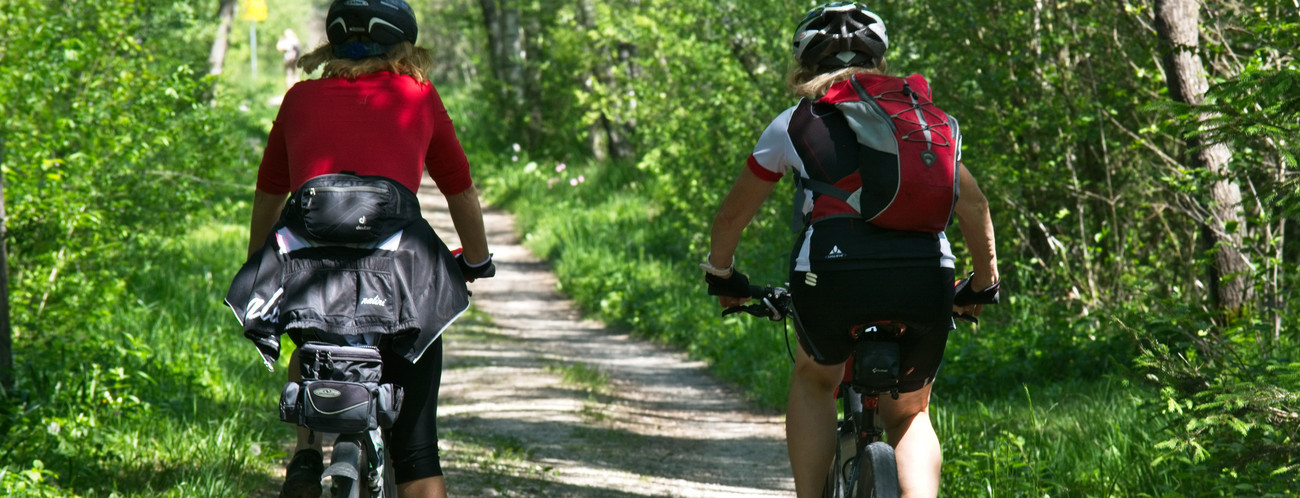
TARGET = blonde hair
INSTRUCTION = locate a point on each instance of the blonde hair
(403, 58)
(808, 81)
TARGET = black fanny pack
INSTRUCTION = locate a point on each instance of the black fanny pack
(346, 207)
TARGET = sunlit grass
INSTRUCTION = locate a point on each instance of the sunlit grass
(1063, 439)
(161, 397)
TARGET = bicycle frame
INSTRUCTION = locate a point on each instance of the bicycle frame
(856, 428)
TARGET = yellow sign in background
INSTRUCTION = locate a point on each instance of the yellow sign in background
(254, 10)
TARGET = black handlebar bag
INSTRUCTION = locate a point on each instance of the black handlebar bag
(350, 208)
(341, 391)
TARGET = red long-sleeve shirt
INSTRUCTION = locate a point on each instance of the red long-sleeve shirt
(380, 124)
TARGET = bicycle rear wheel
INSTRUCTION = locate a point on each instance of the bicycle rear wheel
(878, 472)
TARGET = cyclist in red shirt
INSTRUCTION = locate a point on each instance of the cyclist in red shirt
(373, 112)
(844, 271)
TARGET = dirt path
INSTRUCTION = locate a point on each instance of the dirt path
(536, 401)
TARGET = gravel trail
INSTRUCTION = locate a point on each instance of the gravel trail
(537, 401)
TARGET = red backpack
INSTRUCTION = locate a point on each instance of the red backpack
(911, 181)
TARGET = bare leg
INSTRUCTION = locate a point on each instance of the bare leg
(429, 487)
(916, 446)
(810, 422)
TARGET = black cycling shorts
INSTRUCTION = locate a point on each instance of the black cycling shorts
(413, 438)
(828, 305)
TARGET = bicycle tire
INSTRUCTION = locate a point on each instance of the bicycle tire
(878, 472)
(346, 469)
(390, 475)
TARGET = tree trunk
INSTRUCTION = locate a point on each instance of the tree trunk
(505, 44)
(531, 93)
(508, 50)
(1178, 26)
(6, 334)
(598, 132)
(493, 28)
(217, 57)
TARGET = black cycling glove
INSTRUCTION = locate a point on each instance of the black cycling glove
(963, 295)
(737, 285)
(485, 269)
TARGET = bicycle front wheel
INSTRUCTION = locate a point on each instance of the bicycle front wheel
(347, 469)
(878, 472)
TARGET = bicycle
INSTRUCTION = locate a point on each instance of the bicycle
(340, 393)
(864, 465)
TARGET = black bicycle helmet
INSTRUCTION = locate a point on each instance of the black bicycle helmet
(362, 28)
(840, 34)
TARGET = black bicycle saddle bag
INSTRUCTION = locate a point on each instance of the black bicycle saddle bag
(875, 366)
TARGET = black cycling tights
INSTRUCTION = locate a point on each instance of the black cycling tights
(413, 439)
(839, 300)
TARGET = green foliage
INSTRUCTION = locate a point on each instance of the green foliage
(1071, 438)
(1232, 411)
(1258, 114)
(114, 151)
(118, 153)
(156, 397)
(1095, 207)
(112, 134)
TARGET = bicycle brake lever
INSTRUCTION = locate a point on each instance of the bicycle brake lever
(774, 314)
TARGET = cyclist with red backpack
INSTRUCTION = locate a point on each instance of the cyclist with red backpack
(880, 176)
(349, 255)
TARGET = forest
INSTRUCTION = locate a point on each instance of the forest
(1140, 158)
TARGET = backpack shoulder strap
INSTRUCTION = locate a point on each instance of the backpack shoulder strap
(824, 188)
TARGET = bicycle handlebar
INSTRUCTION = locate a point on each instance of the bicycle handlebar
(774, 302)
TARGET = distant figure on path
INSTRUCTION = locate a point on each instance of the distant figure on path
(292, 48)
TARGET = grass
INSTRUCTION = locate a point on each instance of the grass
(500, 462)
(583, 376)
(1061, 439)
(162, 396)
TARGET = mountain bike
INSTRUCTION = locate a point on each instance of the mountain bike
(864, 465)
(340, 393)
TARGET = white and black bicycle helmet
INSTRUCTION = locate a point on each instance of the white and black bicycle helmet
(840, 34)
(364, 28)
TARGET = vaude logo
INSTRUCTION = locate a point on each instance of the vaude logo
(361, 224)
(835, 253)
(374, 301)
(326, 392)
